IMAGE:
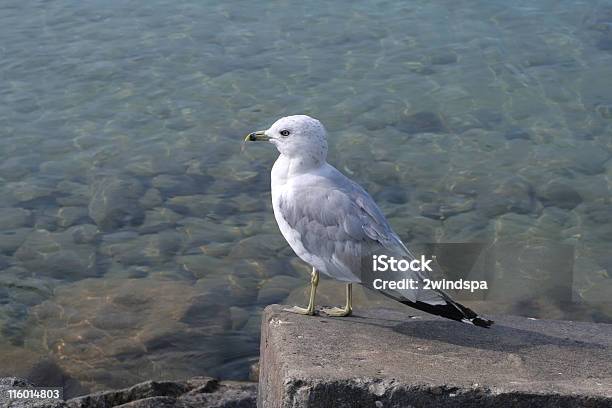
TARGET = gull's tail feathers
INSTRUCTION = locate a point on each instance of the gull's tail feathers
(449, 309)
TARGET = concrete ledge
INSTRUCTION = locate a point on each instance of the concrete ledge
(383, 358)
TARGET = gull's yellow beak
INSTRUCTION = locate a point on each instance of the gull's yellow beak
(256, 136)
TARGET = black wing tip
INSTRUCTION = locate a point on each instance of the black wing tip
(480, 322)
(452, 310)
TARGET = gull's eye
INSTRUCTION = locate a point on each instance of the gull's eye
(285, 133)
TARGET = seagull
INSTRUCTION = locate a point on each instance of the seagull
(333, 224)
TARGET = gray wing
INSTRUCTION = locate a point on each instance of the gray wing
(340, 227)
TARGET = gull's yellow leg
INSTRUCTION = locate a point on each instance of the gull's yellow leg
(314, 281)
(348, 308)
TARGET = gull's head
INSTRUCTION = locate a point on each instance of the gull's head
(297, 136)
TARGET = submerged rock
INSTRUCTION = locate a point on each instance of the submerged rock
(197, 205)
(443, 58)
(258, 246)
(129, 320)
(277, 288)
(11, 240)
(171, 185)
(114, 203)
(517, 134)
(68, 216)
(56, 255)
(29, 193)
(159, 219)
(589, 159)
(512, 195)
(14, 218)
(447, 208)
(605, 111)
(73, 194)
(421, 122)
(150, 249)
(560, 195)
(605, 42)
(151, 198)
(84, 233)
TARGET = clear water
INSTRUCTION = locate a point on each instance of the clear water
(137, 241)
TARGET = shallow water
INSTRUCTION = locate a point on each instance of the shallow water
(137, 241)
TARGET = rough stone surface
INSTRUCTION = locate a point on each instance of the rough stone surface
(384, 358)
(198, 392)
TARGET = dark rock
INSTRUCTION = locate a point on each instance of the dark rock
(254, 371)
(512, 195)
(589, 159)
(179, 124)
(56, 255)
(489, 119)
(605, 111)
(597, 213)
(443, 58)
(73, 194)
(560, 195)
(171, 185)
(517, 133)
(16, 382)
(198, 392)
(542, 59)
(16, 168)
(31, 194)
(147, 249)
(605, 42)
(5, 261)
(277, 289)
(152, 402)
(11, 240)
(198, 205)
(151, 198)
(447, 208)
(392, 195)
(421, 122)
(260, 246)
(84, 233)
(11, 218)
(137, 392)
(149, 166)
(228, 394)
(47, 373)
(158, 220)
(69, 216)
(114, 203)
(204, 310)
(45, 222)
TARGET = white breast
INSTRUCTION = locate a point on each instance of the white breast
(281, 185)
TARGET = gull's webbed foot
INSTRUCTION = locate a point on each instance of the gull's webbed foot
(300, 310)
(310, 310)
(337, 311)
(347, 310)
